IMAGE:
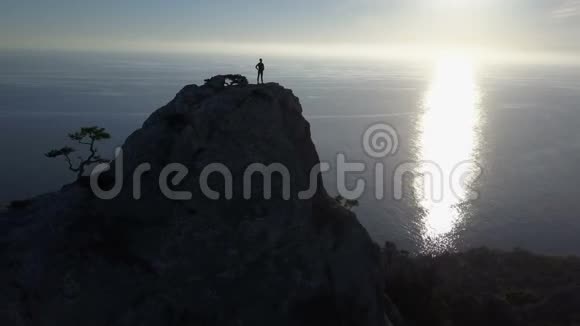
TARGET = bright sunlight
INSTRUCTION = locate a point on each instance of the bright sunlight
(448, 135)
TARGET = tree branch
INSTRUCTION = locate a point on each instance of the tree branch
(70, 164)
(87, 136)
(89, 160)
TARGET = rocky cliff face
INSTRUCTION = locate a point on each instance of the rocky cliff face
(70, 258)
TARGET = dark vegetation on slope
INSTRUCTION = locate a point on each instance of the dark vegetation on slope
(483, 287)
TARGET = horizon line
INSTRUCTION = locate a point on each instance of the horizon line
(369, 51)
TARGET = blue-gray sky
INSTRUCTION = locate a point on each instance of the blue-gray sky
(334, 25)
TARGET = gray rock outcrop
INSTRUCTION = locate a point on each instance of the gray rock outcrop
(70, 258)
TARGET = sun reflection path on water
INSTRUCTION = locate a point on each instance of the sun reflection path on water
(447, 135)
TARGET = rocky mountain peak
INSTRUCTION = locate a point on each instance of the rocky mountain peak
(235, 257)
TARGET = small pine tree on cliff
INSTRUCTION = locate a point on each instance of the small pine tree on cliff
(86, 136)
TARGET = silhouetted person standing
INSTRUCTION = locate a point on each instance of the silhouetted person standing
(260, 67)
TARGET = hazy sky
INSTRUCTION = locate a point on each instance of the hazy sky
(292, 25)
